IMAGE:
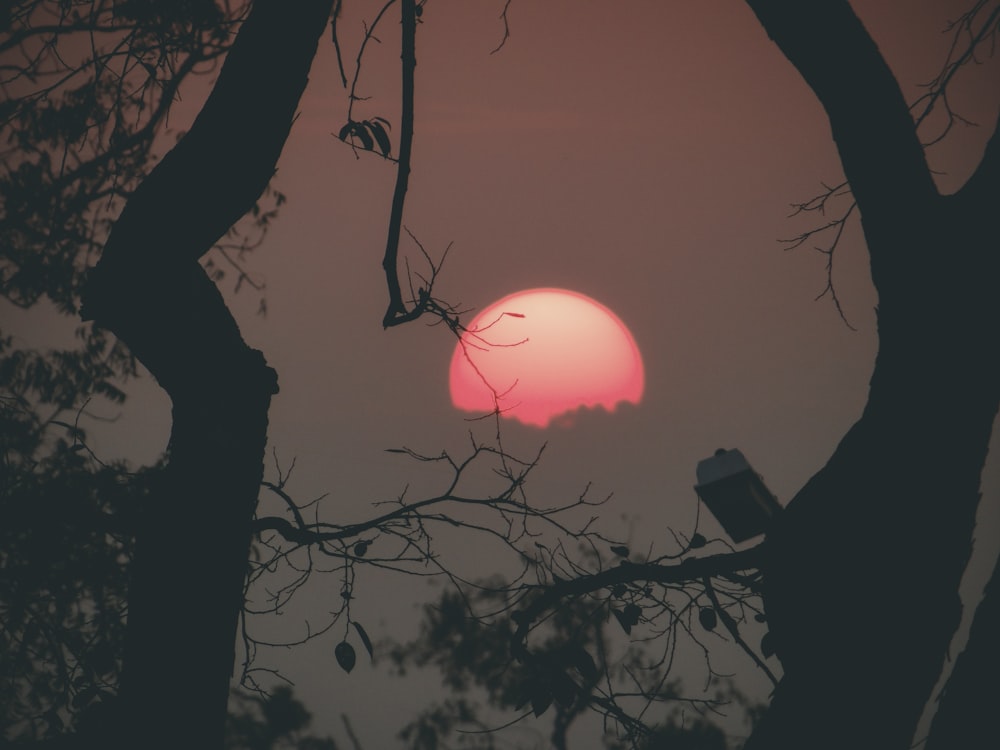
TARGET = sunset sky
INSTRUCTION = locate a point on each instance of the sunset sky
(643, 153)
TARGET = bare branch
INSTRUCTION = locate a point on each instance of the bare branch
(506, 28)
(691, 569)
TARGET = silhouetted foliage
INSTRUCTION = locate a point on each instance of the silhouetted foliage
(675, 735)
(276, 722)
(87, 89)
(577, 666)
(65, 544)
(65, 539)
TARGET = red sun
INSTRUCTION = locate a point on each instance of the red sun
(541, 353)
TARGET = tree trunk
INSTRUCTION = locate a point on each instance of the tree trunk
(862, 570)
(965, 717)
(965, 714)
(186, 589)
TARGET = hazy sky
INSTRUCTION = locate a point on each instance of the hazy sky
(644, 153)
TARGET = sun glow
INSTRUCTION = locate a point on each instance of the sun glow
(541, 353)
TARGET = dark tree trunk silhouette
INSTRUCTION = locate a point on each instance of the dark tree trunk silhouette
(965, 715)
(862, 570)
(149, 289)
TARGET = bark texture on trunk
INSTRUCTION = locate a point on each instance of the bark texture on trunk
(186, 589)
(863, 569)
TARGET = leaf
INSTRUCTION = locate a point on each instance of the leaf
(345, 131)
(618, 591)
(360, 548)
(620, 550)
(381, 137)
(578, 657)
(541, 699)
(365, 640)
(760, 617)
(708, 618)
(766, 646)
(697, 542)
(632, 613)
(366, 140)
(564, 689)
(345, 656)
(523, 696)
(623, 621)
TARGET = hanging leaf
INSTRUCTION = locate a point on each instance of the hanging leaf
(628, 616)
(697, 541)
(766, 646)
(345, 656)
(618, 591)
(345, 131)
(622, 621)
(360, 548)
(632, 613)
(760, 617)
(365, 639)
(366, 140)
(620, 550)
(381, 137)
(708, 618)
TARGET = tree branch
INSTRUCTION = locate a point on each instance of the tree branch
(396, 313)
(225, 145)
(691, 569)
(983, 186)
(870, 120)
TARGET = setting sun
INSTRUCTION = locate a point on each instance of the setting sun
(541, 353)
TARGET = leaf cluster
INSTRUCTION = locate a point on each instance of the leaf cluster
(86, 89)
(65, 547)
(367, 134)
(277, 721)
(472, 652)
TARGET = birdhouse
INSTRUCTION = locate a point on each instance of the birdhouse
(735, 494)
